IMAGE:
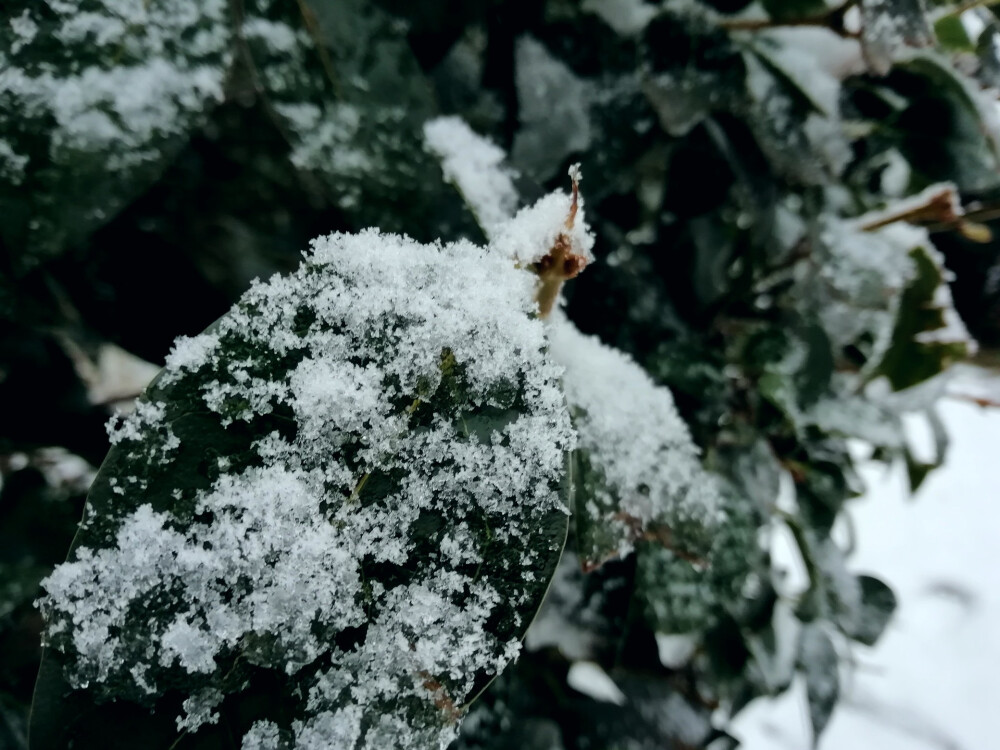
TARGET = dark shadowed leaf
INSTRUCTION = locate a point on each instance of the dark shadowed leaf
(878, 603)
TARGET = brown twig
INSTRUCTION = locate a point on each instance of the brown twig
(561, 263)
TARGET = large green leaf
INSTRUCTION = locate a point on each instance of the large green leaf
(95, 98)
(330, 519)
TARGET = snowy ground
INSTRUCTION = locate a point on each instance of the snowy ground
(933, 681)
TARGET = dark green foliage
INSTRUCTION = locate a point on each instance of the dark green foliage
(728, 184)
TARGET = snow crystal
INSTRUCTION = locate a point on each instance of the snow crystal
(200, 709)
(474, 165)
(421, 368)
(279, 37)
(132, 426)
(263, 735)
(630, 432)
(887, 30)
(12, 164)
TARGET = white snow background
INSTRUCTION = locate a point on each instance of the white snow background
(933, 681)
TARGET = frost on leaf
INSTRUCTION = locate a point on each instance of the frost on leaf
(348, 488)
(638, 471)
(94, 97)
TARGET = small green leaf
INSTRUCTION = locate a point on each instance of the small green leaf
(878, 603)
(951, 34)
(942, 132)
(928, 336)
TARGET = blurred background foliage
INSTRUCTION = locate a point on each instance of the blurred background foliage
(777, 189)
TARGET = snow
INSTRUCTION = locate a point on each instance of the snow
(864, 273)
(278, 555)
(627, 17)
(632, 435)
(589, 678)
(930, 682)
(675, 649)
(532, 233)
(475, 166)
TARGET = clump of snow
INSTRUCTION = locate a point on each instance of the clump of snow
(24, 28)
(475, 166)
(188, 354)
(385, 354)
(532, 233)
(631, 433)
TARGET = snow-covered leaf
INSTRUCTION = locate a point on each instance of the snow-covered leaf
(818, 661)
(638, 474)
(878, 603)
(782, 10)
(950, 129)
(928, 335)
(889, 27)
(95, 98)
(346, 495)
